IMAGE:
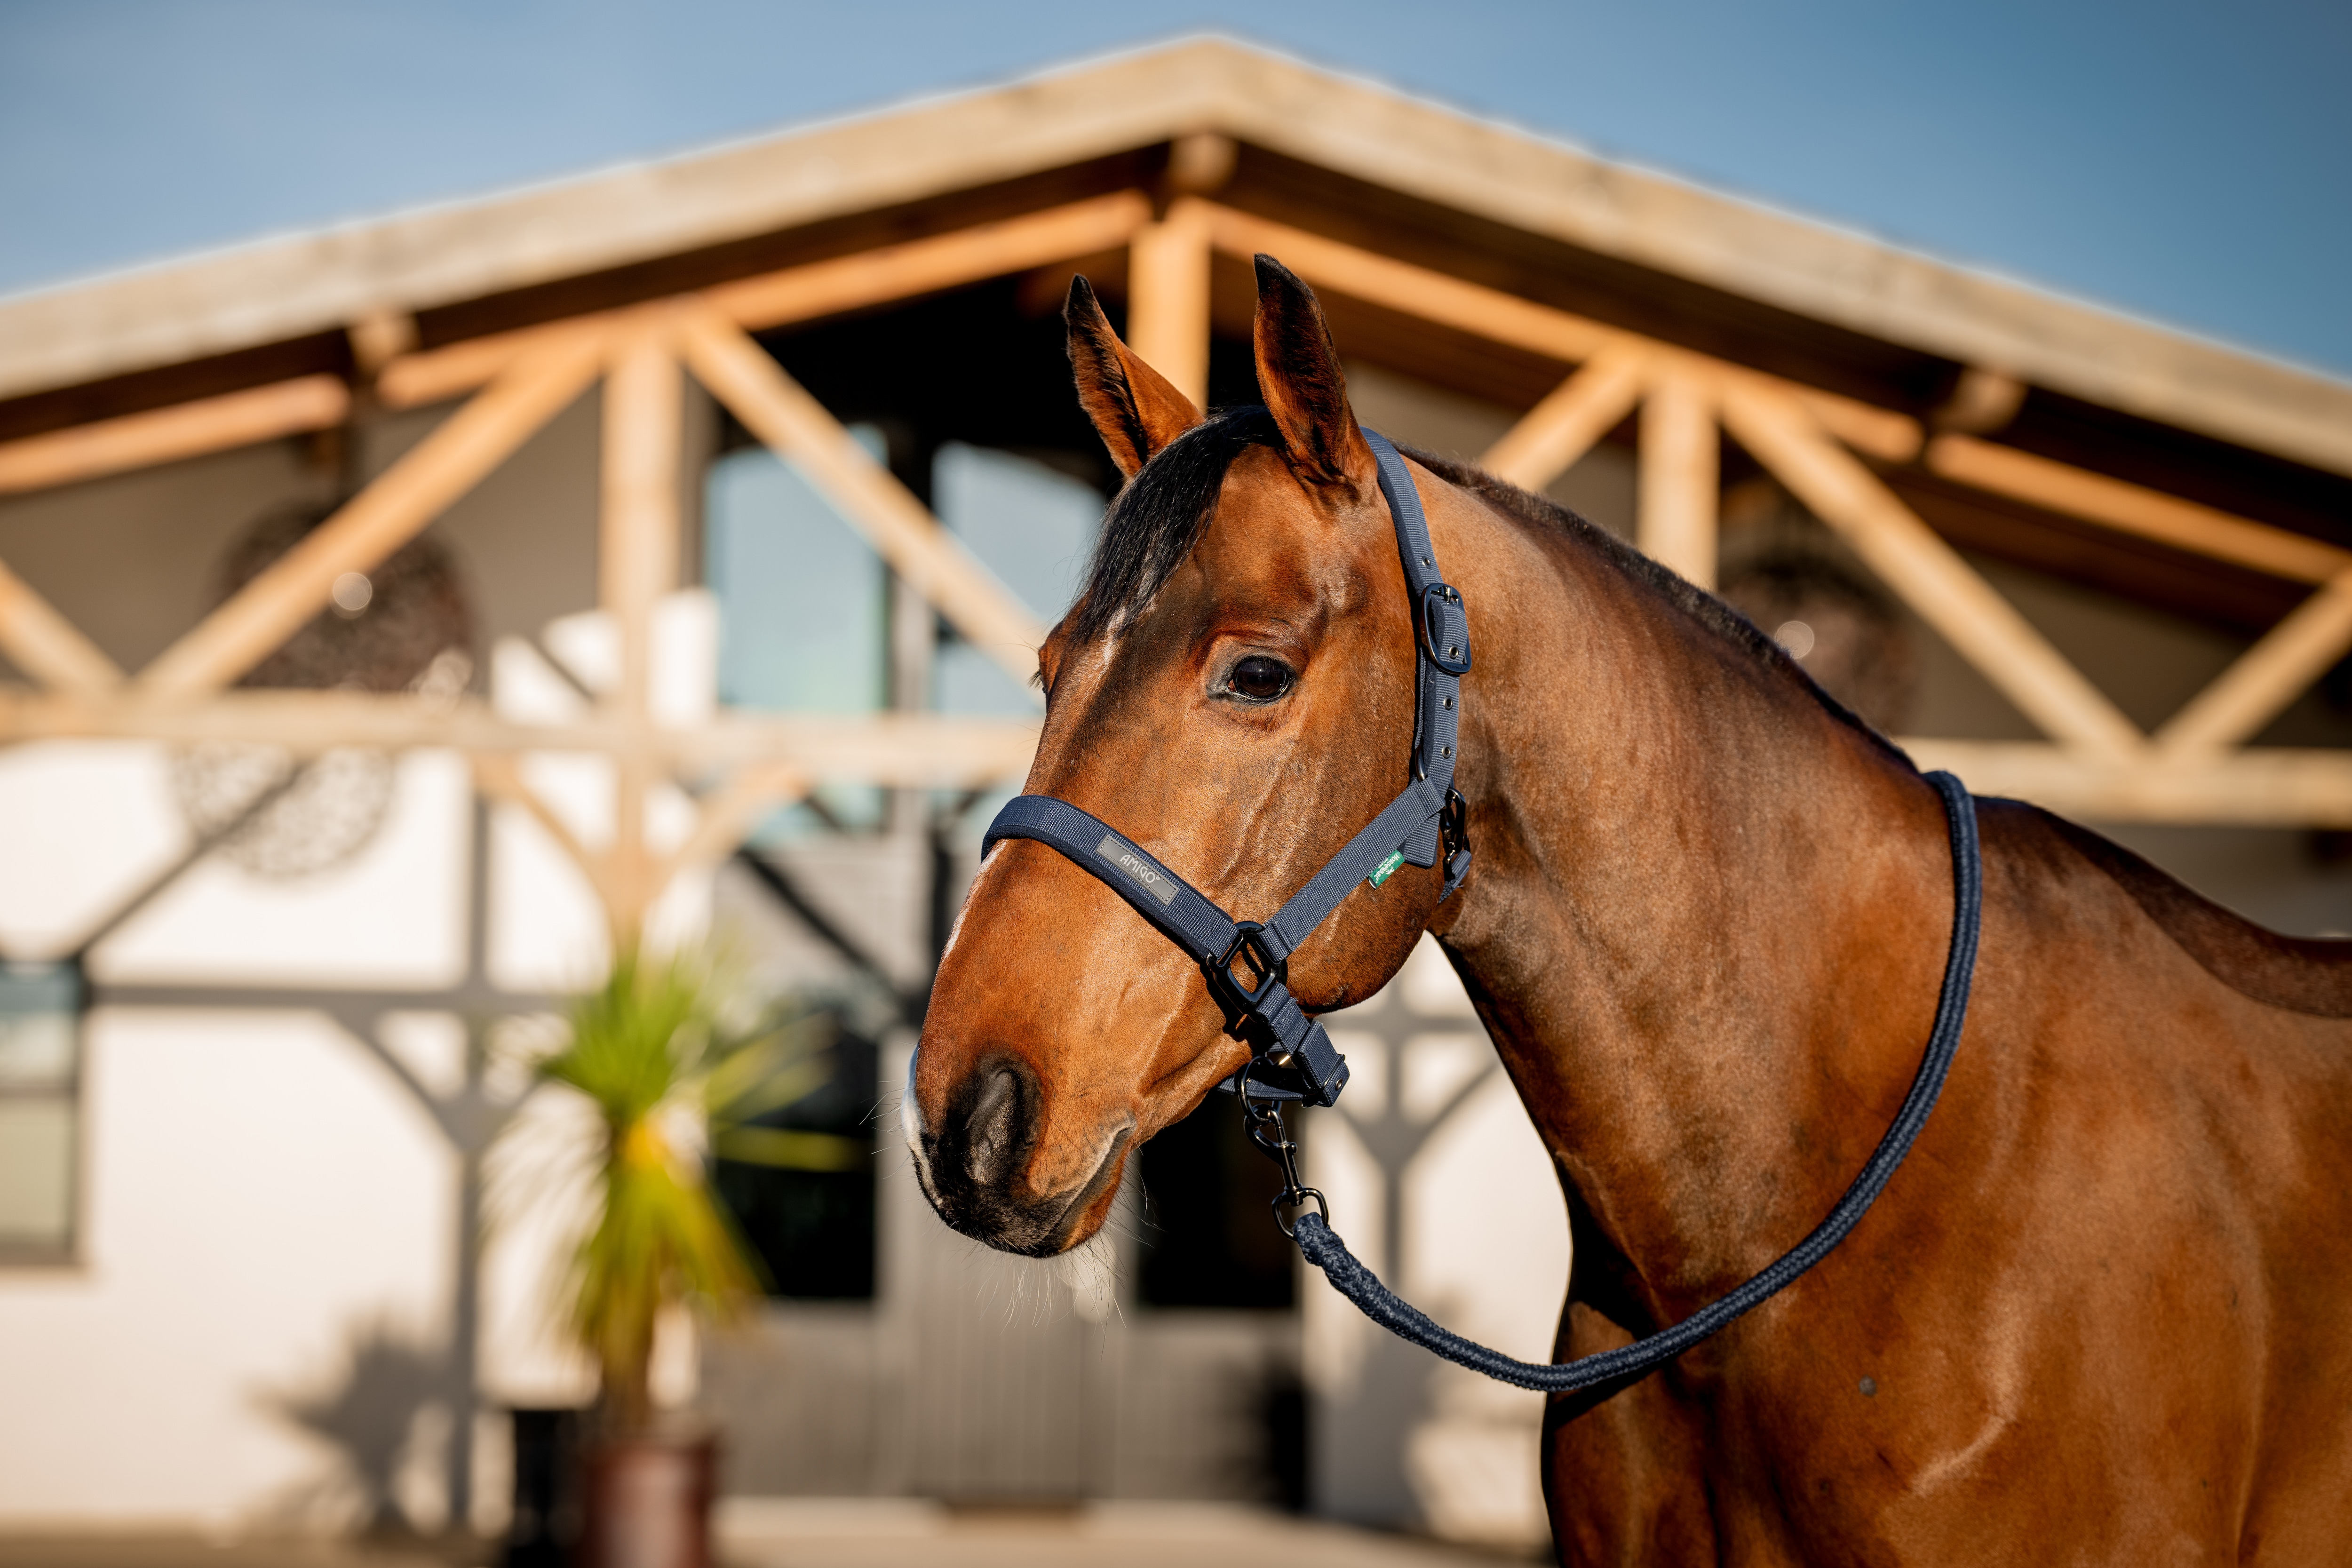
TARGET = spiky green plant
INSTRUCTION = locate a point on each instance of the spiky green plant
(648, 1052)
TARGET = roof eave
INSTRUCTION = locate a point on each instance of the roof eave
(288, 287)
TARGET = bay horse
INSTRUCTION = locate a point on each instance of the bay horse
(2103, 1314)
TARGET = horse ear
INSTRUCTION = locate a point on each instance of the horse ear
(1299, 377)
(1135, 409)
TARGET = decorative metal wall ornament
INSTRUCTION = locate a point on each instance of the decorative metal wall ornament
(403, 626)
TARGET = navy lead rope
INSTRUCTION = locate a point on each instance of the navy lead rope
(1323, 1247)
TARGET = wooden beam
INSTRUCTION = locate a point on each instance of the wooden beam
(637, 564)
(47, 646)
(378, 521)
(2135, 509)
(168, 435)
(726, 815)
(742, 375)
(818, 289)
(1503, 318)
(1928, 573)
(1680, 475)
(2267, 787)
(2265, 678)
(911, 751)
(636, 546)
(501, 778)
(1168, 297)
(1550, 438)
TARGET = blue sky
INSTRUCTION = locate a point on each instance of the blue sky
(2187, 162)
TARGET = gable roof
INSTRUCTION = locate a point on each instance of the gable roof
(284, 288)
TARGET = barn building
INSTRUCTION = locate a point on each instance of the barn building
(393, 614)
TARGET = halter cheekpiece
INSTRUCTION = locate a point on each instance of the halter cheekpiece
(1292, 1058)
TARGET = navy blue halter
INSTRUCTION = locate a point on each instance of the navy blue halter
(1293, 1059)
(1246, 962)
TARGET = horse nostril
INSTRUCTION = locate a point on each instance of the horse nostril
(996, 1127)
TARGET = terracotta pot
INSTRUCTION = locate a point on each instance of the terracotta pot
(645, 1501)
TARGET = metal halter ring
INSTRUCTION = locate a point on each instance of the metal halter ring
(1292, 1198)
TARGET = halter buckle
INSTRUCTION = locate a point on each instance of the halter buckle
(1248, 946)
(1451, 657)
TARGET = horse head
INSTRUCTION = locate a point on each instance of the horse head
(1233, 691)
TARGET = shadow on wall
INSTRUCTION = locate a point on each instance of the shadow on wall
(383, 1415)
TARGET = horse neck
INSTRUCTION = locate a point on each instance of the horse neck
(1707, 923)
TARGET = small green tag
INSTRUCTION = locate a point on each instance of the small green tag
(1386, 868)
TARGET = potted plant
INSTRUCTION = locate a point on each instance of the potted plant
(668, 1085)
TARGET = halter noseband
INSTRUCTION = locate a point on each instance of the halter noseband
(1291, 1057)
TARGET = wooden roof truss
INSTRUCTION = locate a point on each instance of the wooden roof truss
(1827, 449)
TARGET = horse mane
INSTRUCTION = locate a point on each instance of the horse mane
(1159, 517)
(1709, 612)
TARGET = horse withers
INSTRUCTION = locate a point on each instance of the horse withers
(2104, 1313)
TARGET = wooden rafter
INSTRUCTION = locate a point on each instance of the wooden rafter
(2135, 509)
(1503, 318)
(47, 646)
(1548, 441)
(377, 521)
(167, 434)
(1928, 573)
(2266, 676)
(748, 380)
(815, 290)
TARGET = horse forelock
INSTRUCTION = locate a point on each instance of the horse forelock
(1157, 518)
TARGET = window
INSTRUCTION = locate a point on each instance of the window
(1031, 524)
(1209, 1238)
(803, 604)
(813, 1229)
(40, 1075)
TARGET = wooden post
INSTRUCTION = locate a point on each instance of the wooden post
(1168, 298)
(1560, 429)
(1680, 475)
(636, 564)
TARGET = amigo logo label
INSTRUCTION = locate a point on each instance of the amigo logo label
(1155, 882)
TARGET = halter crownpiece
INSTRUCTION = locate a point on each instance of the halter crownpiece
(1291, 1056)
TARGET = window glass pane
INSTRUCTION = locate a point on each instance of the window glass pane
(813, 1229)
(1031, 525)
(1208, 1235)
(39, 1016)
(802, 601)
(36, 1158)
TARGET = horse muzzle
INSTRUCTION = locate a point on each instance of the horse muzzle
(977, 1162)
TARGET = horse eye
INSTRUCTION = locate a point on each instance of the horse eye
(1258, 679)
